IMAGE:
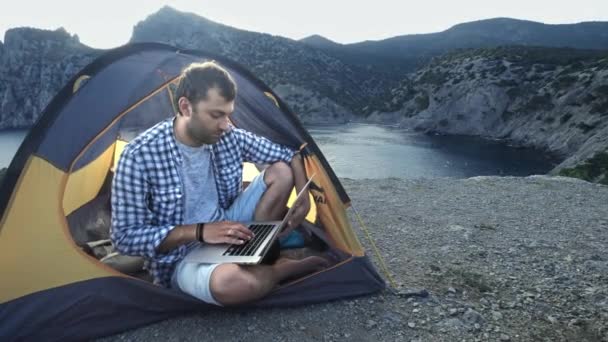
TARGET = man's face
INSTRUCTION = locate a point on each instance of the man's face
(208, 119)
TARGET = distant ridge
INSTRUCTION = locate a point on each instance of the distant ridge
(319, 41)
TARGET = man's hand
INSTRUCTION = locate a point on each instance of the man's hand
(226, 232)
(300, 210)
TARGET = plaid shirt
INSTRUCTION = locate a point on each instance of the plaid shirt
(148, 192)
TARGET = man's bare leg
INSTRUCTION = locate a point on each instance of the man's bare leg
(279, 182)
(232, 284)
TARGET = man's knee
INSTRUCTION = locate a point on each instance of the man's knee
(279, 172)
(230, 283)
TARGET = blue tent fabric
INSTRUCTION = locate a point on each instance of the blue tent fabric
(105, 306)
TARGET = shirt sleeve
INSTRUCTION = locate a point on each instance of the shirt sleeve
(132, 232)
(258, 149)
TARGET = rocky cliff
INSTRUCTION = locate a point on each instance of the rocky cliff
(553, 99)
(34, 65)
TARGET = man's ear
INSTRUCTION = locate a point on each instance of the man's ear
(184, 106)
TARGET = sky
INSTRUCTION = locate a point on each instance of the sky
(109, 23)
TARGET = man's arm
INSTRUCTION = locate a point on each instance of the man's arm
(133, 235)
(131, 231)
(213, 232)
(303, 205)
(261, 150)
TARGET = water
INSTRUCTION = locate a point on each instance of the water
(9, 143)
(370, 151)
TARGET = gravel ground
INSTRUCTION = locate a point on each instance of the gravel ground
(502, 259)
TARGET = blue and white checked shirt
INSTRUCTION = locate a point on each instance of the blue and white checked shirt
(148, 192)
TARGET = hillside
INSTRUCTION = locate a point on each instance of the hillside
(552, 99)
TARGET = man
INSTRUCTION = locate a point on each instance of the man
(180, 181)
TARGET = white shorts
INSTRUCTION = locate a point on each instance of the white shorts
(194, 278)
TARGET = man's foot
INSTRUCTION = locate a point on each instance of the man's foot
(297, 268)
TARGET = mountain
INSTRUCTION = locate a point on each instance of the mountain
(555, 99)
(406, 53)
(317, 86)
(34, 65)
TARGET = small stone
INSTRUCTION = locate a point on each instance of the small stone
(413, 292)
(250, 328)
(505, 337)
(451, 290)
(574, 321)
(392, 316)
(416, 310)
(370, 324)
(551, 319)
(412, 325)
(497, 316)
(472, 317)
(301, 327)
(453, 312)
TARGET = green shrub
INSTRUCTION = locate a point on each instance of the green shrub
(586, 127)
(507, 115)
(422, 102)
(601, 90)
(565, 118)
(434, 77)
(513, 93)
(539, 102)
(600, 108)
(564, 82)
(594, 169)
(507, 83)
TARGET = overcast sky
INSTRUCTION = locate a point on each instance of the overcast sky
(109, 23)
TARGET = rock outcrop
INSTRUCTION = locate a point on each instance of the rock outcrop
(34, 65)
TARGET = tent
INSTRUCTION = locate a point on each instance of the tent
(57, 188)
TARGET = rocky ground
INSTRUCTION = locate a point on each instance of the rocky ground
(491, 259)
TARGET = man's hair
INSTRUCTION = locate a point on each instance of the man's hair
(198, 78)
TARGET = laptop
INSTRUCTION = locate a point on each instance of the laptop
(251, 252)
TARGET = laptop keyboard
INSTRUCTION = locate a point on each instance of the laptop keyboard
(261, 231)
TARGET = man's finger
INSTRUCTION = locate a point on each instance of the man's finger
(240, 235)
(238, 229)
(233, 241)
(241, 231)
